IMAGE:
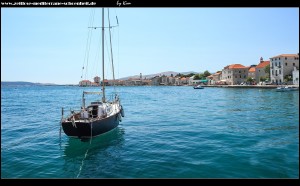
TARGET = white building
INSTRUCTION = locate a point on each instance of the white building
(296, 76)
(193, 82)
(283, 65)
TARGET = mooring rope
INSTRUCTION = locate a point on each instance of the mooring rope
(86, 153)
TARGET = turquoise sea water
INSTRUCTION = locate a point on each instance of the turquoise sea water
(167, 132)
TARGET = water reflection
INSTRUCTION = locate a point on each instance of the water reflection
(81, 156)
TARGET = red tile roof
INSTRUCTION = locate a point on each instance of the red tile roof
(252, 69)
(236, 66)
(263, 64)
(217, 73)
(287, 55)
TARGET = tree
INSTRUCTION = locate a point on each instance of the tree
(288, 78)
(262, 78)
(178, 75)
(206, 73)
(197, 77)
(250, 79)
(190, 74)
(267, 71)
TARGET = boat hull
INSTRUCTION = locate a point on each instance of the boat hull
(286, 89)
(88, 129)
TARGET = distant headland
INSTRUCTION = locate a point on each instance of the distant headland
(25, 83)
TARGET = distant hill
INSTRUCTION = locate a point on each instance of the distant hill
(24, 83)
(185, 73)
(167, 73)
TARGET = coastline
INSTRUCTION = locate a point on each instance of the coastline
(249, 86)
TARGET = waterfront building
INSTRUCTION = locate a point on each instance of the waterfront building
(171, 80)
(184, 80)
(216, 77)
(210, 80)
(296, 76)
(164, 80)
(85, 83)
(105, 82)
(146, 82)
(260, 70)
(193, 81)
(251, 73)
(177, 81)
(234, 74)
(97, 80)
(156, 80)
(282, 66)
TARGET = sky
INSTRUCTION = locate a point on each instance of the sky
(48, 45)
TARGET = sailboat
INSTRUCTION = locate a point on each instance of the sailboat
(99, 116)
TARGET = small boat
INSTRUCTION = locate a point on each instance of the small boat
(286, 89)
(198, 87)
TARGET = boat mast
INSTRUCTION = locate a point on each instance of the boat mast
(103, 84)
(111, 52)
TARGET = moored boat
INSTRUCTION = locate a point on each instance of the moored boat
(286, 89)
(99, 116)
(198, 87)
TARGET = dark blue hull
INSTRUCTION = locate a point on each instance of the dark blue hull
(88, 129)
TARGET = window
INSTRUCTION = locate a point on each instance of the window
(258, 70)
(293, 64)
(275, 63)
(240, 76)
(278, 63)
(279, 71)
(285, 58)
(285, 64)
(244, 76)
(272, 72)
(278, 58)
(272, 59)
